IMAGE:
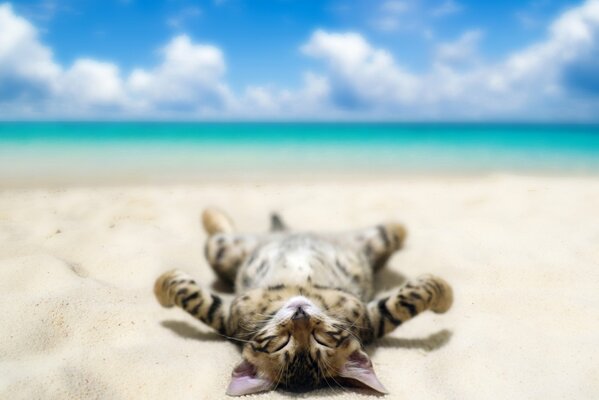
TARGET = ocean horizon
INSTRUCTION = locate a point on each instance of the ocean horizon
(39, 150)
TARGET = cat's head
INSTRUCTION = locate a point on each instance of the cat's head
(300, 346)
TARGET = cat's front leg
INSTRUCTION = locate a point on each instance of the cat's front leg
(225, 250)
(378, 243)
(428, 292)
(178, 288)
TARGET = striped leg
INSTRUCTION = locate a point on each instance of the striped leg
(380, 242)
(178, 288)
(427, 292)
(226, 252)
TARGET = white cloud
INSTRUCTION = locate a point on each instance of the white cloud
(22, 57)
(360, 74)
(190, 76)
(571, 35)
(93, 82)
(311, 100)
(29, 65)
(262, 97)
(356, 80)
(528, 83)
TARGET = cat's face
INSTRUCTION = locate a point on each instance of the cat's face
(299, 344)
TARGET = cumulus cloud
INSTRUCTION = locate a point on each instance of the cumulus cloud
(535, 81)
(189, 76)
(311, 100)
(545, 78)
(360, 75)
(92, 82)
(554, 78)
(571, 37)
(23, 60)
(188, 79)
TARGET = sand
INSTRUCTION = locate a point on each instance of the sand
(78, 318)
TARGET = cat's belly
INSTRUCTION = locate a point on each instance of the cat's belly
(301, 267)
(306, 261)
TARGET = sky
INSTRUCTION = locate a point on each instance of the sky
(388, 60)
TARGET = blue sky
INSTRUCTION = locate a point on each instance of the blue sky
(234, 59)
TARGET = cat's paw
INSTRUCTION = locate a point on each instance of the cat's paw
(162, 285)
(216, 221)
(443, 293)
(398, 232)
(224, 253)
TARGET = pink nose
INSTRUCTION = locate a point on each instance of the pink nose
(298, 302)
(299, 314)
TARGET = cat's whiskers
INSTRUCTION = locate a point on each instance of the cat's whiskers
(286, 366)
(278, 378)
(322, 366)
(233, 338)
(329, 369)
(343, 326)
(266, 316)
(324, 378)
(254, 326)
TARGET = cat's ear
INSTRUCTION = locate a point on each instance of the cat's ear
(245, 380)
(358, 367)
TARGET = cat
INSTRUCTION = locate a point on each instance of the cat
(303, 307)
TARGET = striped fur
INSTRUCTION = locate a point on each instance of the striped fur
(426, 293)
(303, 304)
(178, 288)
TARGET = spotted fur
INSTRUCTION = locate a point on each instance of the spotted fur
(303, 306)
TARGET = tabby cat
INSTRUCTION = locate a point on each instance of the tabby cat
(303, 305)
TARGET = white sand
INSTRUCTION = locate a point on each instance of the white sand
(78, 318)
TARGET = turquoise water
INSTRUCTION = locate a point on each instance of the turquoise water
(38, 149)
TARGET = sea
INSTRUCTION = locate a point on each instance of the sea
(40, 151)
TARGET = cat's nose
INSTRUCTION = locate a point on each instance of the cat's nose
(301, 325)
(300, 314)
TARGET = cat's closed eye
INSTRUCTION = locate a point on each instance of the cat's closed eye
(283, 344)
(320, 339)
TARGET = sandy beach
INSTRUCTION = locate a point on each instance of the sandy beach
(79, 319)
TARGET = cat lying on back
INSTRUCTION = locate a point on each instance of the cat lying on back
(303, 302)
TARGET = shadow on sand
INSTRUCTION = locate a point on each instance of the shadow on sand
(188, 331)
(430, 343)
